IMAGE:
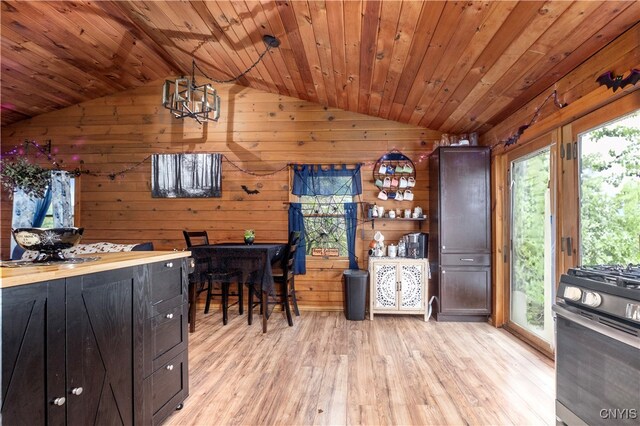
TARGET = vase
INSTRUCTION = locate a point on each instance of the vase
(249, 240)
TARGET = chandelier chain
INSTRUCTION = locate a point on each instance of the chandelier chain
(232, 79)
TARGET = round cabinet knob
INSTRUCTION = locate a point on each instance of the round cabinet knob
(169, 316)
(76, 391)
(169, 264)
(59, 401)
(170, 367)
(591, 299)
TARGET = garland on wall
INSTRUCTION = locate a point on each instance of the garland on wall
(513, 139)
(18, 154)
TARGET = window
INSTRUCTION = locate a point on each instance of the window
(324, 223)
(48, 218)
(325, 215)
(610, 193)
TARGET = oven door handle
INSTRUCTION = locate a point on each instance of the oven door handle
(612, 333)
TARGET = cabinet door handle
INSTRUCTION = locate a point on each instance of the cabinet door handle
(59, 401)
(76, 391)
(169, 316)
(170, 367)
(169, 264)
(467, 259)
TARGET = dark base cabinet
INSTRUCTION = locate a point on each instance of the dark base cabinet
(33, 346)
(465, 293)
(83, 350)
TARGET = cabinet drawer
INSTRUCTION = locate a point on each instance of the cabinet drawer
(167, 288)
(165, 389)
(466, 259)
(165, 336)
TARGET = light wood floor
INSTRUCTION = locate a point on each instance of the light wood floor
(394, 370)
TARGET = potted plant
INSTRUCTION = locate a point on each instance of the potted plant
(20, 173)
(249, 236)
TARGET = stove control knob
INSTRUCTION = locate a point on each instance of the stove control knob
(633, 311)
(591, 299)
(572, 293)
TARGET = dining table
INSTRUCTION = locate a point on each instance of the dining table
(253, 262)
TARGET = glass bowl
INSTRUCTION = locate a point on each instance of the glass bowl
(48, 242)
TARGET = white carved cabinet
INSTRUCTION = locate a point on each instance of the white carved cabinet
(398, 286)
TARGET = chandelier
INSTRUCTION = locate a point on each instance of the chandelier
(184, 98)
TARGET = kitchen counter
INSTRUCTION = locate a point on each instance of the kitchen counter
(11, 277)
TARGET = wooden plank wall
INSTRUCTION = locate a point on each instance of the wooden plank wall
(258, 133)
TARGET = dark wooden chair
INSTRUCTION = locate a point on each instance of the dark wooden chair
(207, 278)
(285, 273)
(284, 287)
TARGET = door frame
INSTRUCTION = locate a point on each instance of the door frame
(548, 140)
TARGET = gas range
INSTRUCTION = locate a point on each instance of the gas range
(612, 290)
(597, 316)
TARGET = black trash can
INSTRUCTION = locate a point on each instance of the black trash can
(355, 293)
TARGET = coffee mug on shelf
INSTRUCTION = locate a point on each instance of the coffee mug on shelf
(379, 183)
(383, 169)
(411, 182)
(383, 196)
(399, 169)
(408, 168)
(386, 183)
(403, 182)
(408, 195)
(399, 196)
(407, 213)
(394, 182)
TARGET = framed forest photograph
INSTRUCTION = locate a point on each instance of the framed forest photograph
(186, 175)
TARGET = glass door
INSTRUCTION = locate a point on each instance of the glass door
(532, 235)
(609, 176)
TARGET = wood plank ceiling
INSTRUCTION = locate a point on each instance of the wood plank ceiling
(449, 66)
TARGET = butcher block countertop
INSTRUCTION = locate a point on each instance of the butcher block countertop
(10, 277)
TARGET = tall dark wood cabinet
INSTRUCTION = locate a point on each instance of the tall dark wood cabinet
(100, 348)
(460, 233)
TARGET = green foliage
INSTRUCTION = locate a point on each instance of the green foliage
(20, 173)
(610, 198)
(531, 179)
(249, 233)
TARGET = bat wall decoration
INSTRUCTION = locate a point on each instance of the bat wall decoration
(616, 82)
(249, 191)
